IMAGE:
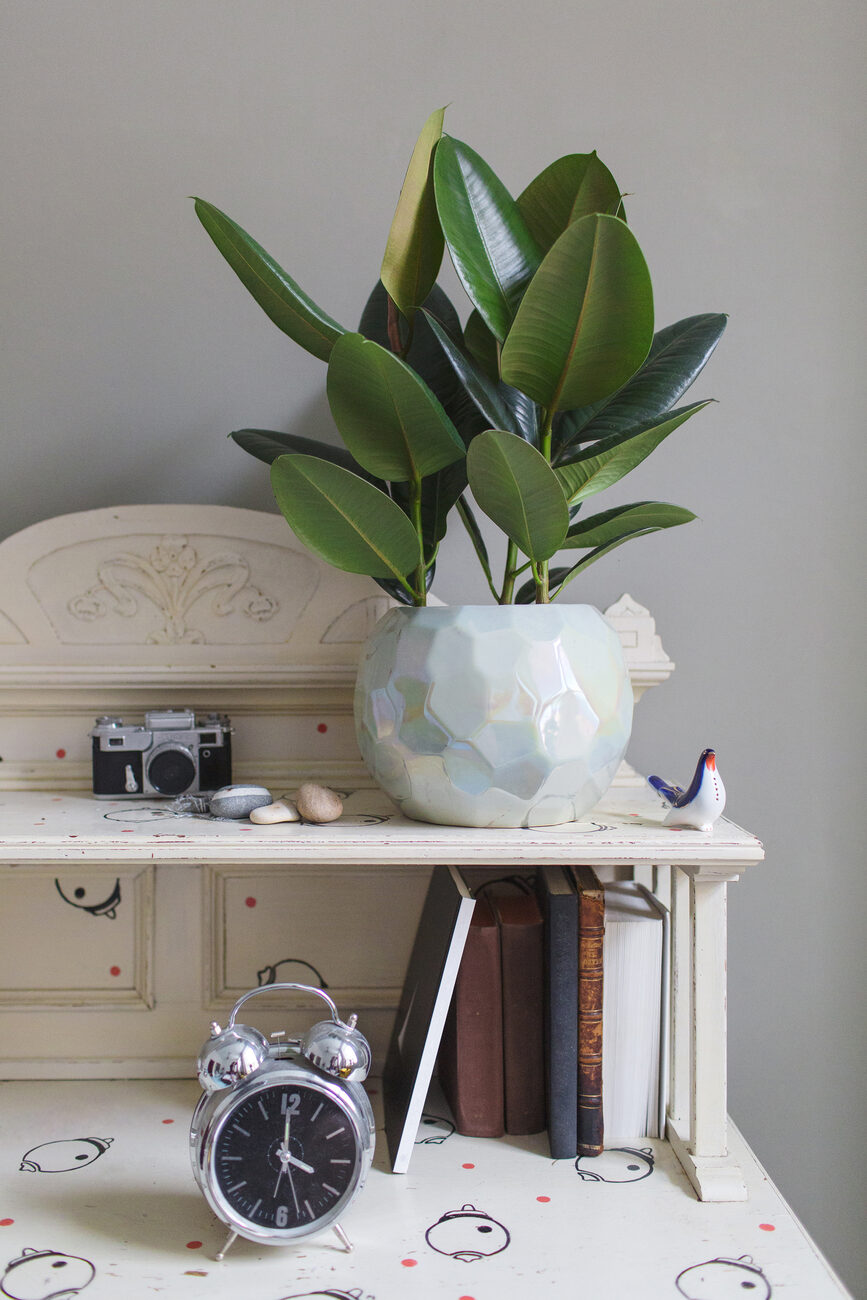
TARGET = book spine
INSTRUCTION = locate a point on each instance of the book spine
(559, 905)
(591, 934)
(521, 940)
(471, 1051)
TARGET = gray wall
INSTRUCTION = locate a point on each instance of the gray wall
(130, 352)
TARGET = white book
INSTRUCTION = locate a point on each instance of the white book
(634, 1014)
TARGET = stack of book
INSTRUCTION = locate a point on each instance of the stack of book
(559, 1013)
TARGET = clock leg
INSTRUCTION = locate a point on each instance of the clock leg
(343, 1239)
(232, 1237)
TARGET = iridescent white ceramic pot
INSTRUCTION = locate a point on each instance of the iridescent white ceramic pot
(493, 715)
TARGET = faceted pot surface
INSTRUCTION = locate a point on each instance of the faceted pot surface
(493, 715)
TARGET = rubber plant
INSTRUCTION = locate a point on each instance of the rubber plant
(554, 388)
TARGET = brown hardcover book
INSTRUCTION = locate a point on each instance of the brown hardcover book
(471, 1051)
(591, 933)
(522, 956)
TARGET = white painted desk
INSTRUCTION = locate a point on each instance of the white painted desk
(131, 1222)
(192, 897)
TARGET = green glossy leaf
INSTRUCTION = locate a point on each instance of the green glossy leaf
(389, 419)
(414, 250)
(343, 518)
(276, 292)
(268, 444)
(516, 487)
(482, 345)
(493, 252)
(677, 357)
(623, 521)
(569, 188)
(482, 391)
(585, 323)
(607, 461)
(425, 356)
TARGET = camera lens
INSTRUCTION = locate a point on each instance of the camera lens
(171, 771)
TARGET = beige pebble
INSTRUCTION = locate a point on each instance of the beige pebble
(316, 803)
(281, 810)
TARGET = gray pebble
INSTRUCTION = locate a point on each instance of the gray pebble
(237, 801)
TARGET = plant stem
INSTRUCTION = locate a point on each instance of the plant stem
(420, 594)
(540, 571)
(395, 342)
(508, 593)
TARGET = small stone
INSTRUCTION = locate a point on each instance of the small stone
(237, 801)
(316, 803)
(281, 810)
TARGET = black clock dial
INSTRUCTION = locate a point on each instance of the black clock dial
(286, 1156)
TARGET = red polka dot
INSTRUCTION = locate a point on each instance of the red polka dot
(168, 1121)
(409, 1263)
(251, 902)
(322, 728)
(194, 1245)
(543, 1199)
(127, 830)
(468, 1166)
(6, 1223)
(767, 1227)
(115, 970)
(466, 1297)
(60, 753)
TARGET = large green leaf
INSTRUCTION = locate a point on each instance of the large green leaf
(414, 249)
(483, 392)
(569, 188)
(610, 525)
(585, 323)
(343, 518)
(516, 487)
(677, 356)
(609, 459)
(276, 292)
(389, 419)
(493, 252)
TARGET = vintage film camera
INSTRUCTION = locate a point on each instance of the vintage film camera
(171, 754)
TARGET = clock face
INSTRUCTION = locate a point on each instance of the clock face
(286, 1157)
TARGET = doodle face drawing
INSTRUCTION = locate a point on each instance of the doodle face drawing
(468, 1234)
(97, 903)
(63, 1156)
(616, 1165)
(355, 1294)
(433, 1130)
(724, 1279)
(46, 1275)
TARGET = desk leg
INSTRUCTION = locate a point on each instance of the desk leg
(713, 1173)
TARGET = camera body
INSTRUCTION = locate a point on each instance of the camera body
(171, 754)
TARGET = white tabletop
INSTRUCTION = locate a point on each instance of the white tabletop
(626, 828)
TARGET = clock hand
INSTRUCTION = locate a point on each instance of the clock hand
(292, 1185)
(299, 1164)
(279, 1176)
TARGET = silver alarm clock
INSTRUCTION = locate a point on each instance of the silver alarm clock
(283, 1136)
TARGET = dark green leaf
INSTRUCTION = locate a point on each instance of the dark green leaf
(486, 395)
(425, 355)
(276, 292)
(677, 357)
(623, 521)
(493, 252)
(389, 419)
(609, 459)
(516, 487)
(343, 518)
(569, 188)
(268, 444)
(526, 595)
(585, 323)
(439, 494)
(414, 249)
(475, 533)
(483, 346)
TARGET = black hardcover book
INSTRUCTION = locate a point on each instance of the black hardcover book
(559, 906)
